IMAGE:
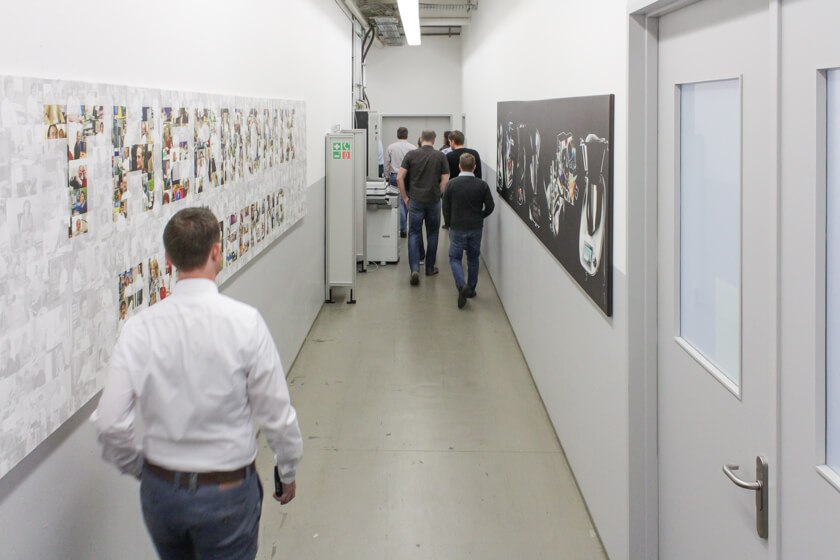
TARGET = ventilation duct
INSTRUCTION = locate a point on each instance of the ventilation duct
(388, 30)
(465, 7)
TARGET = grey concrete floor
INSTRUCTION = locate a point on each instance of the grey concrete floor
(424, 436)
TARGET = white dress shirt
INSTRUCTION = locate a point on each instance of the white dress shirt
(201, 369)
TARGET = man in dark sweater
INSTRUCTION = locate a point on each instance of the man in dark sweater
(429, 173)
(456, 140)
(466, 202)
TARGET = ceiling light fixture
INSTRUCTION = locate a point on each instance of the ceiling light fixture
(410, 16)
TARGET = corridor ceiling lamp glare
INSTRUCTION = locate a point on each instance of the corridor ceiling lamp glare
(410, 16)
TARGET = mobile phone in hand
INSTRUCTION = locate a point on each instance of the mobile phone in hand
(278, 484)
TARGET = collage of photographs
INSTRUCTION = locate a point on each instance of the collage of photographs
(81, 216)
(135, 292)
(232, 148)
(252, 225)
(206, 149)
(130, 289)
(242, 232)
(133, 162)
(160, 280)
(47, 366)
(175, 154)
(85, 128)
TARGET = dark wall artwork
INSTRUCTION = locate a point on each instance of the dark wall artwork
(554, 162)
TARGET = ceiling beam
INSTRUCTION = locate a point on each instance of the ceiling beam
(444, 22)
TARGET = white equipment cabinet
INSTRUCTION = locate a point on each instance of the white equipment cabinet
(345, 156)
(383, 221)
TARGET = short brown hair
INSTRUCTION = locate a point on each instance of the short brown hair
(402, 133)
(428, 136)
(457, 136)
(467, 162)
(189, 236)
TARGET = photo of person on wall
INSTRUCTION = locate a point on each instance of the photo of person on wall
(79, 179)
(138, 157)
(80, 203)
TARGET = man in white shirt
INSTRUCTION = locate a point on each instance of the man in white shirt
(198, 367)
(392, 161)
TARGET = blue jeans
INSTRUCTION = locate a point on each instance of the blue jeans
(403, 209)
(191, 522)
(468, 240)
(419, 212)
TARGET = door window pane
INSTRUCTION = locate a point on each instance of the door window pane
(710, 222)
(832, 312)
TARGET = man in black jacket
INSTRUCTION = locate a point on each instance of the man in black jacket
(456, 140)
(466, 202)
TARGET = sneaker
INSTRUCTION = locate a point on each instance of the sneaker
(432, 271)
(415, 278)
(462, 297)
(422, 259)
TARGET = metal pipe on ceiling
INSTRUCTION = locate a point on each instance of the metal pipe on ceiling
(467, 6)
(444, 22)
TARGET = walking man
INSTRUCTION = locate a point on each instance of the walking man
(456, 140)
(198, 367)
(393, 160)
(429, 173)
(466, 202)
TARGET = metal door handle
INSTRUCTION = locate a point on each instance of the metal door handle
(727, 470)
(760, 488)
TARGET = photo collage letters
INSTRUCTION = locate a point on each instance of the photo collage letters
(89, 176)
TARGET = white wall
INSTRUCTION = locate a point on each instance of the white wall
(62, 501)
(423, 80)
(539, 49)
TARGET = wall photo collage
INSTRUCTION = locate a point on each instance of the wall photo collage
(89, 176)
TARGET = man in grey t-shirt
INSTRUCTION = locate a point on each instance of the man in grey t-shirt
(393, 160)
(429, 171)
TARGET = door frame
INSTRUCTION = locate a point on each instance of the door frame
(419, 116)
(642, 265)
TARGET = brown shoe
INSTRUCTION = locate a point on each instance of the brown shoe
(432, 272)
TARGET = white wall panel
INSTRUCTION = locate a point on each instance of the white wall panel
(542, 49)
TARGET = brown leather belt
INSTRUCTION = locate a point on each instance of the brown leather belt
(202, 479)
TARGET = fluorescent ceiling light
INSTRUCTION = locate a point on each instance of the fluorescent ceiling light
(410, 16)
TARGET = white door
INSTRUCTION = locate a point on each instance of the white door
(810, 264)
(717, 269)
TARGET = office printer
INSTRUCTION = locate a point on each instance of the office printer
(383, 222)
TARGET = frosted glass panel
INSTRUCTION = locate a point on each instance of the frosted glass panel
(832, 312)
(710, 222)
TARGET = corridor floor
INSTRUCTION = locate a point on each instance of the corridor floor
(424, 435)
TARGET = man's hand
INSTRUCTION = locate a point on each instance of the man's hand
(288, 493)
(401, 184)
